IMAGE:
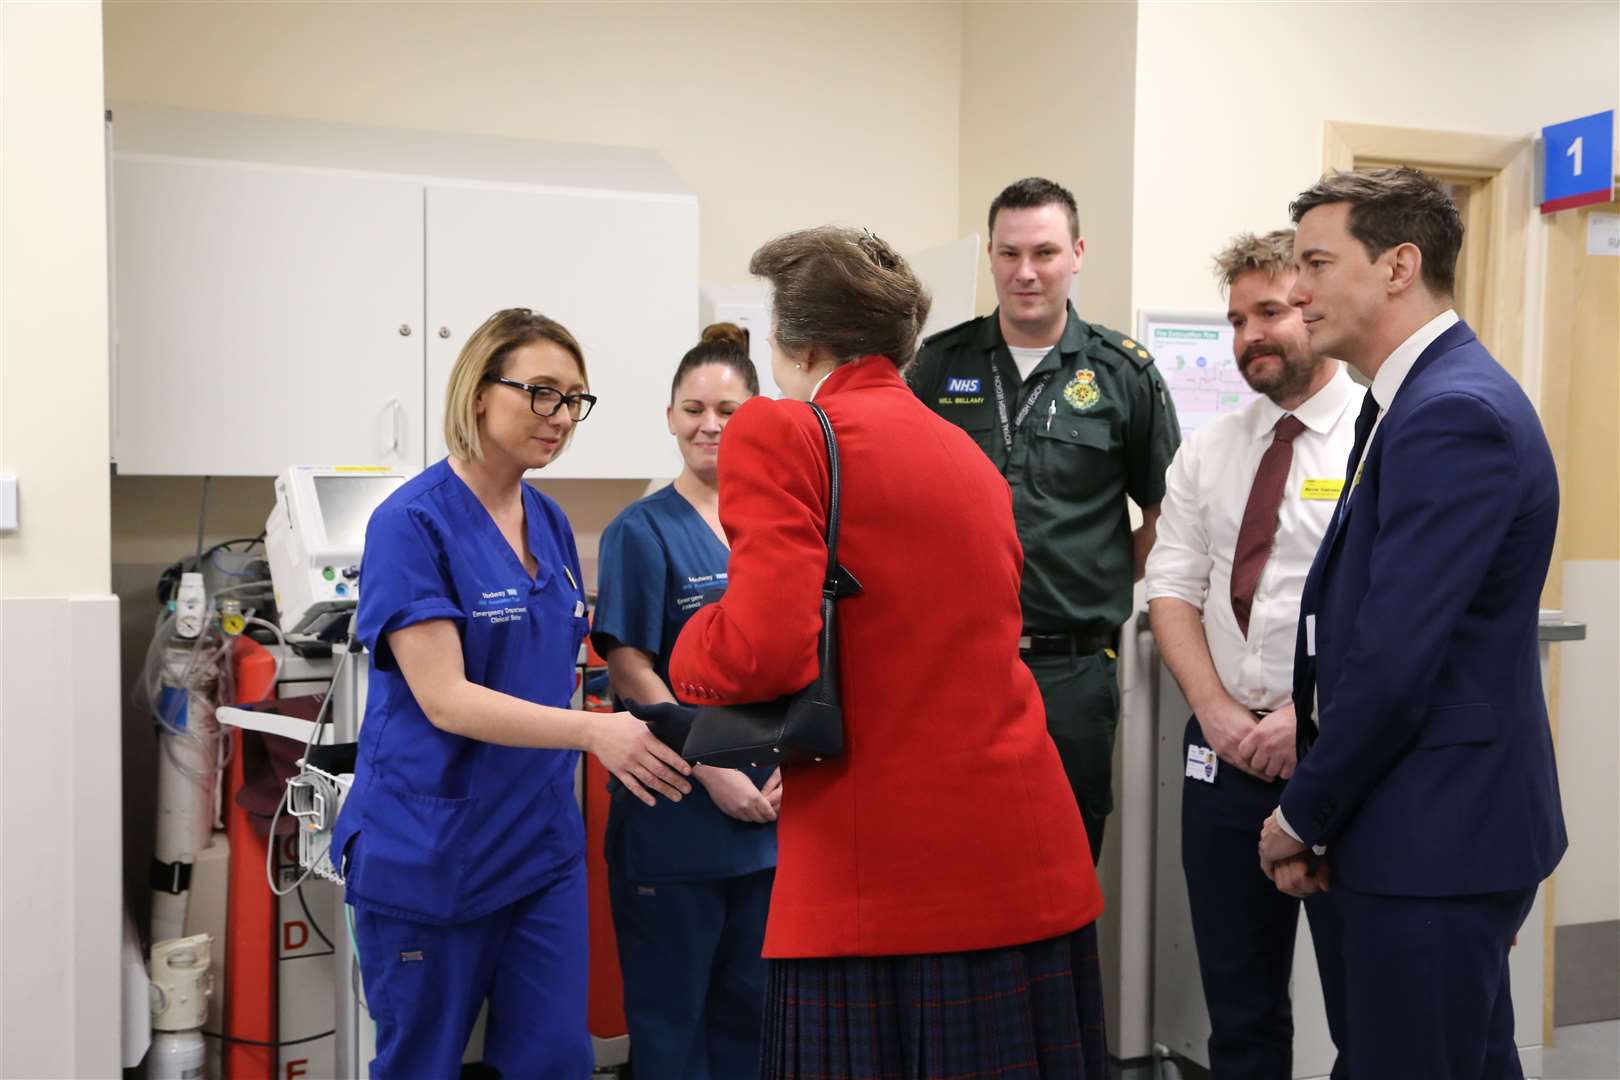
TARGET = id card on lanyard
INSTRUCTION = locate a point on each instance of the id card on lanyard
(1010, 426)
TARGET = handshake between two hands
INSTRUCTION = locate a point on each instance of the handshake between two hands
(732, 790)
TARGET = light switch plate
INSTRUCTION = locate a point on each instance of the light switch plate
(8, 504)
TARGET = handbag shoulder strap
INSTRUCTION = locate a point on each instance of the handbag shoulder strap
(839, 582)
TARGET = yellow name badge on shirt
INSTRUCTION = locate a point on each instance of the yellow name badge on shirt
(1326, 490)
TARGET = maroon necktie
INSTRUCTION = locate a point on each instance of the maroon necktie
(1259, 526)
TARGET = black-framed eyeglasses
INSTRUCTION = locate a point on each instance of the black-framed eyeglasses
(546, 400)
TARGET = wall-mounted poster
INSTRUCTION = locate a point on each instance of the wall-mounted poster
(1194, 356)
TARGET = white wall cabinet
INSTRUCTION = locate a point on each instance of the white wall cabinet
(608, 268)
(291, 292)
(260, 318)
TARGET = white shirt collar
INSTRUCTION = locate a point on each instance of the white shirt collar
(816, 389)
(1387, 383)
(1319, 412)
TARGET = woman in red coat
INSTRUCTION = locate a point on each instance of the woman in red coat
(935, 898)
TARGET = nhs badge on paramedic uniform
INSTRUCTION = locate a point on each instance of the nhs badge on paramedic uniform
(963, 391)
(1082, 392)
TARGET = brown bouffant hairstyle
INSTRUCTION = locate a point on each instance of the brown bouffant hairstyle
(843, 290)
(1390, 207)
(1271, 254)
(721, 343)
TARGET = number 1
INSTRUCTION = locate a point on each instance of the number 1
(1574, 151)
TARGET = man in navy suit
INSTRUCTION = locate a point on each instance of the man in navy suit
(1426, 778)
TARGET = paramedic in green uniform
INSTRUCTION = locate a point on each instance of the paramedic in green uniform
(1077, 419)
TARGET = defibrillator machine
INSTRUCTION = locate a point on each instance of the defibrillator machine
(313, 538)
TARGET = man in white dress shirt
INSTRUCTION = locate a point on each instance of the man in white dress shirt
(1248, 500)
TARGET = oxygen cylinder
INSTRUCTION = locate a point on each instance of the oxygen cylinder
(188, 774)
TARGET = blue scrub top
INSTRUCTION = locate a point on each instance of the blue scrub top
(438, 827)
(657, 560)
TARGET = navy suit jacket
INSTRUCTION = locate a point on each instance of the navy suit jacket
(1433, 772)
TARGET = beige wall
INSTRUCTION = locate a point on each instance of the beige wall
(1231, 99)
(53, 315)
(1030, 108)
(59, 748)
(777, 115)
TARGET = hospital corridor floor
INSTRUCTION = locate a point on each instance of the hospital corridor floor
(1581, 1052)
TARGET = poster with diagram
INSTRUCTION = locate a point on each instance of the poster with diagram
(1194, 356)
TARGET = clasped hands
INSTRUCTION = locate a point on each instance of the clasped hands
(1289, 866)
(1263, 748)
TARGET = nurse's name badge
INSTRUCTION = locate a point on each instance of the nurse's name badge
(1201, 764)
(1082, 392)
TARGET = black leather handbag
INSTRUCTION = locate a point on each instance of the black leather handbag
(808, 725)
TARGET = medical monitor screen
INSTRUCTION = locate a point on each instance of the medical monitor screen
(346, 505)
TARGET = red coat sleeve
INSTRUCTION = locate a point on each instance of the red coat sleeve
(759, 641)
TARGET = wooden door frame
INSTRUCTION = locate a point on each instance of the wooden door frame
(1506, 166)
(1509, 323)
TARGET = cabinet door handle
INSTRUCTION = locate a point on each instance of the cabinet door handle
(398, 412)
(444, 331)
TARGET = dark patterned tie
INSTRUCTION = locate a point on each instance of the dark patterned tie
(1259, 526)
(1365, 419)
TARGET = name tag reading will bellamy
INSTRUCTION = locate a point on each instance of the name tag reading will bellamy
(1323, 490)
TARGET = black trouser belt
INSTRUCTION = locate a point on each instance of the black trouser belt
(1063, 644)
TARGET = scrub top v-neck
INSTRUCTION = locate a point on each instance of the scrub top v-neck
(439, 827)
(659, 560)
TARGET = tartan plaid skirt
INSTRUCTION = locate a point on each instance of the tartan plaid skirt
(1025, 1012)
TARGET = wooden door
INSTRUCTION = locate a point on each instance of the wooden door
(1580, 407)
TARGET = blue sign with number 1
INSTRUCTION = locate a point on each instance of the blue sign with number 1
(1579, 162)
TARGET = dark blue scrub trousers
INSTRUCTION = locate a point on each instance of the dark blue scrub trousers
(694, 979)
(424, 985)
(1243, 926)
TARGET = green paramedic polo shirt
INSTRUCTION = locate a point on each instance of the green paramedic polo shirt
(1098, 425)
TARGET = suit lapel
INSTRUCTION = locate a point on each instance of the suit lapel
(1457, 334)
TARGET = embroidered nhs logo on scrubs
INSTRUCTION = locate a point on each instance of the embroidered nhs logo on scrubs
(962, 386)
(499, 606)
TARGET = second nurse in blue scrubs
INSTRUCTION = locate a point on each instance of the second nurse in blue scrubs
(461, 840)
(690, 884)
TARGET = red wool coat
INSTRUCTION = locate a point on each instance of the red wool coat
(948, 824)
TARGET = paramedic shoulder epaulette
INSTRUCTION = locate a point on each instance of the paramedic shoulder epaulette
(946, 336)
(1130, 347)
